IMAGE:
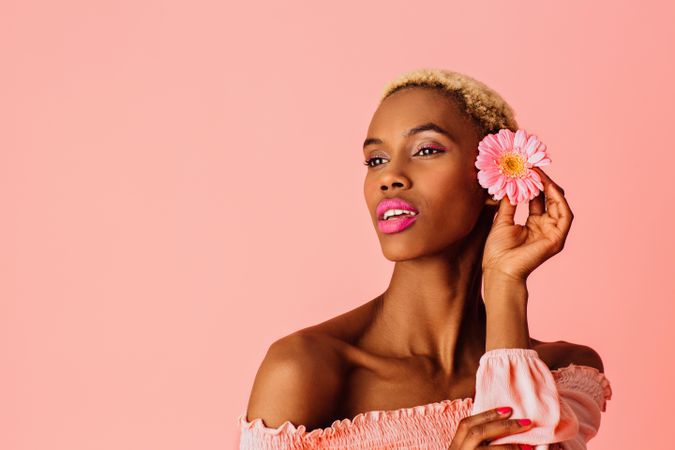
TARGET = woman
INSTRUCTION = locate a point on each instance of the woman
(427, 363)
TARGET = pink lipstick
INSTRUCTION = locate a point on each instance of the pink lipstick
(395, 221)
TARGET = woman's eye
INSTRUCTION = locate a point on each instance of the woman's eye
(437, 150)
(369, 162)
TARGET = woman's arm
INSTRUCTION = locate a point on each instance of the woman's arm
(506, 308)
(565, 415)
(511, 373)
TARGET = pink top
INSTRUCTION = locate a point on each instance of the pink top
(564, 404)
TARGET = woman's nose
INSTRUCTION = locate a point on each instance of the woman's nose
(394, 181)
(392, 177)
(385, 187)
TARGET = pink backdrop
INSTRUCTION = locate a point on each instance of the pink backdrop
(169, 172)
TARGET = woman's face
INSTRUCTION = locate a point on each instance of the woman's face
(440, 183)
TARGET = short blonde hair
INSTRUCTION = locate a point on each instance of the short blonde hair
(488, 110)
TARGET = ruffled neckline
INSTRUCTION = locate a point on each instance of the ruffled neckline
(579, 375)
(457, 405)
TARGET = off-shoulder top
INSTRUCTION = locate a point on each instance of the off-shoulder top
(564, 404)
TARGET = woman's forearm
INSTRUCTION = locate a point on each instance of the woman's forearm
(506, 308)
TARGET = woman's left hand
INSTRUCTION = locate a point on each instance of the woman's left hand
(516, 250)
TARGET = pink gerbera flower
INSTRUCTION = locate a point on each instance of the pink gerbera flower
(504, 161)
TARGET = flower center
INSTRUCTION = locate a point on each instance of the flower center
(512, 164)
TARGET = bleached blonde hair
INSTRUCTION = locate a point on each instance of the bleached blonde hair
(488, 110)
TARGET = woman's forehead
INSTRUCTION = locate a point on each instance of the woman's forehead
(399, 126)
(410, 107)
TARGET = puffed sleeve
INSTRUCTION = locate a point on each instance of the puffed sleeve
(564, 404)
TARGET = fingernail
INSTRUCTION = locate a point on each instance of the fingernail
(524, 422)
(504, 410)
(526, 447)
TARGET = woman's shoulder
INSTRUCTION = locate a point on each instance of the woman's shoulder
(299, 379)
(303, 374)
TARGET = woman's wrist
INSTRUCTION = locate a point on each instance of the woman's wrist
(500, 287)
(502, 276)
(505, 301)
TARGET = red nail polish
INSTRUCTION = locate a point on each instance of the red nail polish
(504, 410)
(524, 422)
(526, 447)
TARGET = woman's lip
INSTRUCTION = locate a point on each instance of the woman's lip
(397, 224)
(393, 203)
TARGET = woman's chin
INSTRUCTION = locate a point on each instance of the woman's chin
(401, 252)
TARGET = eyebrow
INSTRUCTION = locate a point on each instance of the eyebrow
(418, 129)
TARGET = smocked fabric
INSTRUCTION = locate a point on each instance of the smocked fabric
(565, 405)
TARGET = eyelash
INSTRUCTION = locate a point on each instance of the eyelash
(438, 150)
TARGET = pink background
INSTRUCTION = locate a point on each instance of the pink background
(181, 184)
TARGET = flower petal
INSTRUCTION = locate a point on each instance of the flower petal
(487, 178)
(522, 189)
(510, 188)
(505, 137)
(489, 148)
(532, 144)
(544, 162)
(520, 139)
(536, 157)
(536, 179)
(499, 185)
(531, 187)
(485, 158)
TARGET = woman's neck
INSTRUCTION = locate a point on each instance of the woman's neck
(434, 309)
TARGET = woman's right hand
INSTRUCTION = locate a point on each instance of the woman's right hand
(475, 432)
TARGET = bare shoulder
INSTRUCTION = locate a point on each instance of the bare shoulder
(303, 375)
(560, 354)
(299, 380)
